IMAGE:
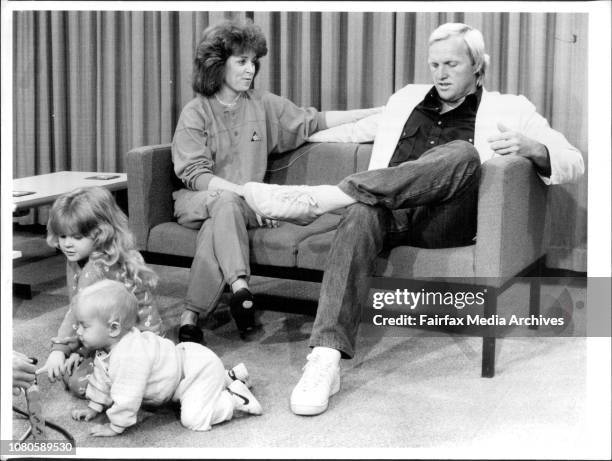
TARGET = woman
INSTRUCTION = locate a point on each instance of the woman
(222, 140)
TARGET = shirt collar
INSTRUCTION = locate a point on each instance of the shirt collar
(432, 99)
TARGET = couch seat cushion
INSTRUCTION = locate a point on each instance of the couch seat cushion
(400, 262)
(277, 247)
(172, 238)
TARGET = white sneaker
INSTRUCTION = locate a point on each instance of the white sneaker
(320, 380)
(244, 399)
(239, 372)
(284, 203)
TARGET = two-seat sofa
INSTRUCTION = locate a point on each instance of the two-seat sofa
(511, 212)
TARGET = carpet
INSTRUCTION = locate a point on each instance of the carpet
(418, 393)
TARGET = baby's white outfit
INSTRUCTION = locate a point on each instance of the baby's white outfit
(146, 368)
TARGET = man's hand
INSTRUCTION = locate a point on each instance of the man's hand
(84, 414)
(102, 430)
(54, 365)
(23, 372)
(71, 363)
(513, 142)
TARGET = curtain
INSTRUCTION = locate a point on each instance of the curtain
(91, 85)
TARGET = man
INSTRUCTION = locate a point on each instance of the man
(421, 187)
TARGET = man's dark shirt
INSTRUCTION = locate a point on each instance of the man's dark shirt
(427, 127)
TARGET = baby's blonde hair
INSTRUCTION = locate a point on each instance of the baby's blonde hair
(111, 302)
(92, 212)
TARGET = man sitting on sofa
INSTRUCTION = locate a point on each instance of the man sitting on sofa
(421, 187)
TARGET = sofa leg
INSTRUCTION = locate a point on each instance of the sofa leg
(535, 283)
(488, 342)
(488, 357)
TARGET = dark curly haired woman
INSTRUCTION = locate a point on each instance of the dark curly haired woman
(222, 140)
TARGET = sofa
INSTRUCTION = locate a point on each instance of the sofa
(509, 242)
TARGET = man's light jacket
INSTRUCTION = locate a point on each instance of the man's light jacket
(517, 113)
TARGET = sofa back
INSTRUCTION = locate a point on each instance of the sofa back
(151, 178)
(318, 163)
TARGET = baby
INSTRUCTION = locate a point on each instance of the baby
(133, 367)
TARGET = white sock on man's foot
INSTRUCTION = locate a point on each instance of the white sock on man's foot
(328, 353)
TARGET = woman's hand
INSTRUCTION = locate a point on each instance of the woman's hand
(265, 222)
(54, 365)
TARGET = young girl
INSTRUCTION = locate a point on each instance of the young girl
(92, 232)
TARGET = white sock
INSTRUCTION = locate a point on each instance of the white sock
(327, 353)
(188, 316)
(330, 198)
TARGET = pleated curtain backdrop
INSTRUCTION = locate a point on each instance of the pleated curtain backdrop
(90, 85)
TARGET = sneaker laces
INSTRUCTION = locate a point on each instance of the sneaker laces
(316, 371)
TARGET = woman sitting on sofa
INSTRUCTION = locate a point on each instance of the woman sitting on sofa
(222, 140)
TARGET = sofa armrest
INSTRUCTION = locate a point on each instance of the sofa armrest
(151, 181)
(511, 217)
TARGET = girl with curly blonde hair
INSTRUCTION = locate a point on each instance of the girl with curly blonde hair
(90, 229)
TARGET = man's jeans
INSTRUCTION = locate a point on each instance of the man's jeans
(430, 202)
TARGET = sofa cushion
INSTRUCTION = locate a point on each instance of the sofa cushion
(172, 238)
(400, 262)
(277, 247)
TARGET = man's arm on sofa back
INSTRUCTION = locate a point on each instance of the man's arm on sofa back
(151, 181)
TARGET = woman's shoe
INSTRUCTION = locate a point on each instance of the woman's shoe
(243, 310)
(190, 334)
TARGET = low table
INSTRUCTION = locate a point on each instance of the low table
(45, 188)
(35, 191)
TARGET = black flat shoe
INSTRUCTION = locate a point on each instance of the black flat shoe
(242, 308)
(190, 334)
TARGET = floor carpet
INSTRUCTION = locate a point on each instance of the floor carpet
(410, 392)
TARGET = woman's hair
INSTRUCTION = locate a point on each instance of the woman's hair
(474, 41)
(92, 212)
(111, 302)
(218, 43)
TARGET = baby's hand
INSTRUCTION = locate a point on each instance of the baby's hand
(54, 365)
(71, 363)
(102, 430)
(84, 414)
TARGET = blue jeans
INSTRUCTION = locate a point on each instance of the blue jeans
(430, 202)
